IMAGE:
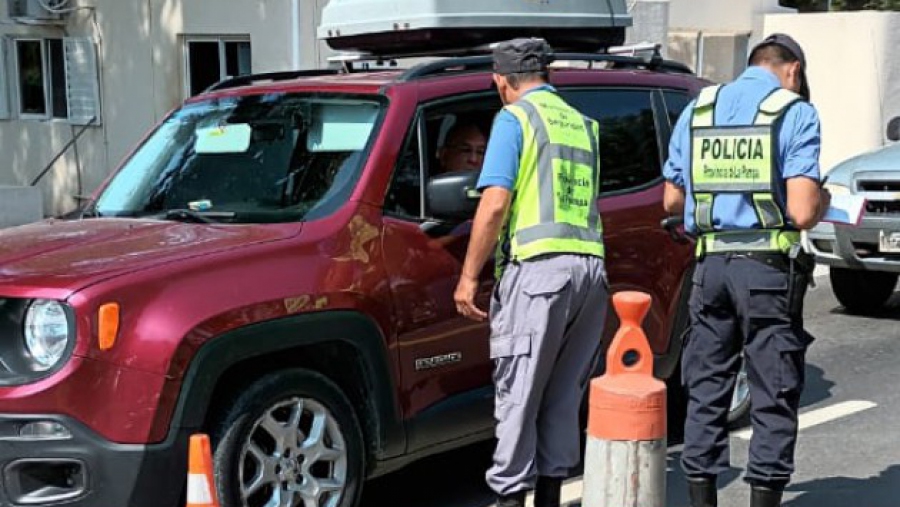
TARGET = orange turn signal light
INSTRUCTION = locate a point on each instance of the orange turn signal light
(108, 325)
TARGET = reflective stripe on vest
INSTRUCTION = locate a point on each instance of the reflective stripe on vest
(737, 160)
(554, 207)
(750, 240)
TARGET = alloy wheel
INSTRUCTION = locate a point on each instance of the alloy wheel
(294, 456)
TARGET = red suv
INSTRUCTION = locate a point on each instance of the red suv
(274, 265)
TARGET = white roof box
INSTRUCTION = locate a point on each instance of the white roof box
(396, 27)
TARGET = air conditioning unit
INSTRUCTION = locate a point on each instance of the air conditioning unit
(46, 11)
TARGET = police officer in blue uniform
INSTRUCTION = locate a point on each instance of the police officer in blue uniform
(744, 170)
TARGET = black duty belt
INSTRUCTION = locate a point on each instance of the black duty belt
(777, 260)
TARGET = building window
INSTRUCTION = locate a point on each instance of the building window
(57, 78)
(32, 70)
(210, 60)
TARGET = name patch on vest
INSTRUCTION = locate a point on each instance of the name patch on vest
(574, 191)
(726, 159)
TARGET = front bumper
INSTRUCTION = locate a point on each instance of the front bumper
(86, 470)
(854, 247)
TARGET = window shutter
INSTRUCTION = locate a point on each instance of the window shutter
(4, 80)
(82, 78)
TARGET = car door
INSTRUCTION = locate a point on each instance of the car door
(639, 254)
(446, 390)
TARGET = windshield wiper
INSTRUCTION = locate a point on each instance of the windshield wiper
(203, 217)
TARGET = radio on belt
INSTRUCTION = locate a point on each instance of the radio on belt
(385, 27)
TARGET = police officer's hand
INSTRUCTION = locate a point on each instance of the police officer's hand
(465, 299)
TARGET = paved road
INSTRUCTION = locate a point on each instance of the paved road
(848, 455)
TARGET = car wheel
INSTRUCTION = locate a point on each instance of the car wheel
(862, 292)
(290, 439)
(740, 399)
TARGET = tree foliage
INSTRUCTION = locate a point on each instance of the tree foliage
(841, 5)
(859, 5)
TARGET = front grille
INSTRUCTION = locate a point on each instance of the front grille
(883, 208)
(879, 186)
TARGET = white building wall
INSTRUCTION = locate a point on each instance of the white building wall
(651, 23)
(854, 76)
(723, 16)
(714, 36)
(141, 66)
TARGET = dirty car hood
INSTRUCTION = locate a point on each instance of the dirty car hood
(65, 256)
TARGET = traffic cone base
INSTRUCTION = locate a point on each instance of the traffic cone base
(201, 486)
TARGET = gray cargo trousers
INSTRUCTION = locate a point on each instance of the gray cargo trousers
(547, 318)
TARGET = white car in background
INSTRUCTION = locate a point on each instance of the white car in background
(864, 261)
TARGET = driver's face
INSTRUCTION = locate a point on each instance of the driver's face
(463, 151)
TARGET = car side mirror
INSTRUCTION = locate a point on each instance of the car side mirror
(893, 129)
(454, 196)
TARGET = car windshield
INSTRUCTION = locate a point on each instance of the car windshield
(251, 159)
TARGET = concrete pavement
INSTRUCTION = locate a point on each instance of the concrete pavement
(848, 452)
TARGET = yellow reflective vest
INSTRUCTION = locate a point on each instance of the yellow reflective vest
(554, 206)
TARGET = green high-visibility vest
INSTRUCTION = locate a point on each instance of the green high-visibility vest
(554, 206)
(739, 160)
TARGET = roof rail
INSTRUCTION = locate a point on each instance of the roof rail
(485, 62)
(235, 82)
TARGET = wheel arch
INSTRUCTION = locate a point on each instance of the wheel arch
(345, 346)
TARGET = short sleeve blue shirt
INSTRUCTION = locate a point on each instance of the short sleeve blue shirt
(504, 149)
(799, 142)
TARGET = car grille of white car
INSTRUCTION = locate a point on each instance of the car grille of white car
(883, 197)
(878, 186)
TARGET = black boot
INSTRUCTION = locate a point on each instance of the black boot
(513, 500)
(547, 492)
(702, 492)
(761, 496)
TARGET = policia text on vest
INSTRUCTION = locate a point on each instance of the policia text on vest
(739, 157)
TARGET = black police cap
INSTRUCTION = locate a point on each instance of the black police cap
(788, 43)
(523, 55)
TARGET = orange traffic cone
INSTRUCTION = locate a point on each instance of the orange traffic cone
(201, 487)
(625, 456)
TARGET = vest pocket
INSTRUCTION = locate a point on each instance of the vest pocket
(512, 366)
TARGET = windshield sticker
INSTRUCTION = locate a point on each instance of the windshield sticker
(230, 138)
(203, 205)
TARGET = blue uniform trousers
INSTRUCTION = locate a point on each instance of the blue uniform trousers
(743, 303)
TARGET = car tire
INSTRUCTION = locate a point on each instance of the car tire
(862, 292)
(292, 432)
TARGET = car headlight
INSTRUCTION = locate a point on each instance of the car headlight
(46, 333)
(835, 189)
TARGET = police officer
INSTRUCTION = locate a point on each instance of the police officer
(744, 167)
(540, 184)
